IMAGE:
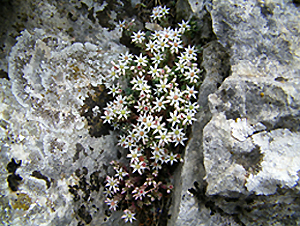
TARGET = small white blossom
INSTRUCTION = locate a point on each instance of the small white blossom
(112, 203)
(121, 25)
(156, 13)
(181, 66)
(184, 26)
(172, 158)
(163, 86)
(174, 118)
(157, 58)
(151, 46)
(175, 97)
(190, 91)
(112, 184)
(191, 107)
(128, 216)
(191, 52)
(162, 44)
(121, 173)
(139, 167)
(141, 60)
(134, 156)
(163, 137)
(159, 104)
(114, 89)
(126, 58)
(192, 74)
(175, 46)
(189, 118)
(138, 37)
(154, 71)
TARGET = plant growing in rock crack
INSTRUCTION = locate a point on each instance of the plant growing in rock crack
(152, 114)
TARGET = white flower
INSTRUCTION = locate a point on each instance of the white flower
(174, 118)
(156, 155)
(154, 71)
(176, 132)
(129, 143)
(121, 25)
(175, 97)
(128, 216)
(107, 117)
(108, 193)
(122, 141)
(162, 44)
(144, 89)
(141, 133)
(156, 35)
(137, 82)
(138, 37)
(113, 73)
(175, 34)
(134, 156)
(191, 52)
(140, 106)
(163, 137)
(162, 86)
(192, 74)
(114, 89)
(139, 192)
(112, 203)
(126, 58)
(151, 46)
(139, 167)
(181, 66)
(121, 174)
(116, 125)
(175, 46)
(179, 140)
(141, 60)
(191, 107)
(165, 10)
(122, 67)
(121, 100)
(149, 123)
(160, 127)
(112, 184)
(189, 118)
(156, 13)
(184, 26)
(191, 92)
(159, 104)
(172, 158)
(166, 34)
(157, 58)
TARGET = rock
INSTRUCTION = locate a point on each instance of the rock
(250, 133)
(52, 167)
(241, 164)
(187, 211)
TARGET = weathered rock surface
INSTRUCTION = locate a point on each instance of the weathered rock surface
(249, 139)
(52, 170)
(241, 164)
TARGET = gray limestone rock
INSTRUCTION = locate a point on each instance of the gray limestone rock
(52, 169)
(241, 164)
(250, 134)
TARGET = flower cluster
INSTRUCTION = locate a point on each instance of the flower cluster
(152, 113)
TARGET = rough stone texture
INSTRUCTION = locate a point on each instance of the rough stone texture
(52, 170)
(250, 133)
(241, 164)
(186, 210)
